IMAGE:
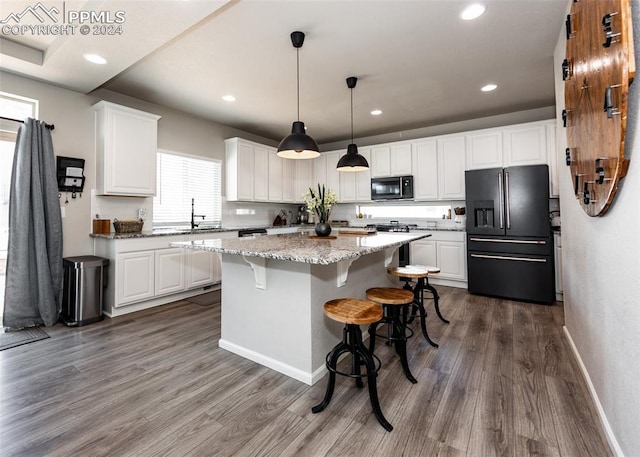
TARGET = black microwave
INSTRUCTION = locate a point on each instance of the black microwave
(393, 188)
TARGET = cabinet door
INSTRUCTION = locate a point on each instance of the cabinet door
(552, 155)
(275, 177)
(261, 173)
(288, 180)
(380, 161)
(484, 149)
(202, 268)
(451, 260)
(135, 277)
(246, 164)
(304, 174)
(451, 167)
(525, 145)
(425, 170)
(400, 159)
(333, 175)
(558, 258)
(126, 151)
(169, 271)
(363, 179)
(423, 253)
(319, 172)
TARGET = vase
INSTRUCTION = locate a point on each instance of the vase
(323, 229)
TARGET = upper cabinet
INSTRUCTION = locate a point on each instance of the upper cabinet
(356, 186)
(525, 144)
(451, 167)
(484, 149)
(391, 160)
(425, 169)
(126, 148)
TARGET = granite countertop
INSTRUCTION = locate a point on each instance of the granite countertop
(298, 247)
(188, 231)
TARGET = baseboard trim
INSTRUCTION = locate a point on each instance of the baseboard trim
(611, 438)
(308, 378)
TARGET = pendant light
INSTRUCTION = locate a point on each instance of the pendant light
(352, 161)
(298, 145)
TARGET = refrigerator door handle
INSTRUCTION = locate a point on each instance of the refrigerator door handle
(501, 200)
(501, 240)
(504, 257)
(508, 202)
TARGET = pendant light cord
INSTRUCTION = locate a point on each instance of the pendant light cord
(351, 116)
(298, 78)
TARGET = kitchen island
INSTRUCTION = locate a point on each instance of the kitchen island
(274, 289)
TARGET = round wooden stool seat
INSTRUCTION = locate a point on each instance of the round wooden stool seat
(413, 271)
(353, 311)
(390, 295)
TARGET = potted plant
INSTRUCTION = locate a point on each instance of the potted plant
(320, 203)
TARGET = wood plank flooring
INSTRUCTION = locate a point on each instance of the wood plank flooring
(155, 383)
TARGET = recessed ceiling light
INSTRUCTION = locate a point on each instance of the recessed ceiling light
(95, 58)
(473, 11)
(229, 98)
(488, 88)
(376, 112)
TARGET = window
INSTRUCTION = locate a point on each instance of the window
(181, 179)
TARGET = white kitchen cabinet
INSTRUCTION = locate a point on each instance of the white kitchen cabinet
(447, 251)
(391, 160)
(134, 277)
(319, 170)
(275, 177)
(356, 186)
(288, 180)
(425, 169)
(203, 268)
(333, 175)
(552, 156)
(303, 177)
(169, 271)
(261, 173)
(126, 144)
(146, 272)
(484, 149)
(451, 167)
(526, 144)
(239, 169)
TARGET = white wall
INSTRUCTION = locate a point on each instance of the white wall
(73, 136)
(601, 274)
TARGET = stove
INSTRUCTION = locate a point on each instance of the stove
(392, 227)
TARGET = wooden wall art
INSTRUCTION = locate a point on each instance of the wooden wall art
(597, 71)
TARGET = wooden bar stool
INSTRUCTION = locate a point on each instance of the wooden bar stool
(394, 305)
(421, 274)
(353, 312)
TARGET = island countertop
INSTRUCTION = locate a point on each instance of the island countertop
(299, 247)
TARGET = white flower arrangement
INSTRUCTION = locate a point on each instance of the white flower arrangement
(320, 202)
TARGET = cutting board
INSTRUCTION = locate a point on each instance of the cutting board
(356, 231)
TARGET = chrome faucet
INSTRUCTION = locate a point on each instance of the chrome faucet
(193, 222)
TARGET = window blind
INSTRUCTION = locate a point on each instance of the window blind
(181, 178)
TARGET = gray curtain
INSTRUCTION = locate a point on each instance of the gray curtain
(33, 293)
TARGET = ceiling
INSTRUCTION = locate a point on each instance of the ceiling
(415, 60)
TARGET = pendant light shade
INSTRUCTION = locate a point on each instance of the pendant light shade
(352, 160)
(298, 145)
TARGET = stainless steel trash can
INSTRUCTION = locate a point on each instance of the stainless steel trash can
(85, 278)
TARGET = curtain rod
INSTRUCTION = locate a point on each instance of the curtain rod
(49, 126)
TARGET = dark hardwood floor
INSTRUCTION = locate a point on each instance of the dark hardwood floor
(154, 383)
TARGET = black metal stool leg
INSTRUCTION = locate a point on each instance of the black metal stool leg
(418, 303)
(436, 297)
(373, 389)
(355, 338)
(400, 341)
(332, 362)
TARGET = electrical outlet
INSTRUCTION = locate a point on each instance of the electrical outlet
(142, 213)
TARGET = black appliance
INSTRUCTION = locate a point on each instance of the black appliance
(509, 238)
(393, 188)
(395, 226)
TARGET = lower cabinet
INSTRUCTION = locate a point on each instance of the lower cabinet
(445, 250)
(146, 272)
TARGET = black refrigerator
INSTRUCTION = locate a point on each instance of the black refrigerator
(509, 238)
